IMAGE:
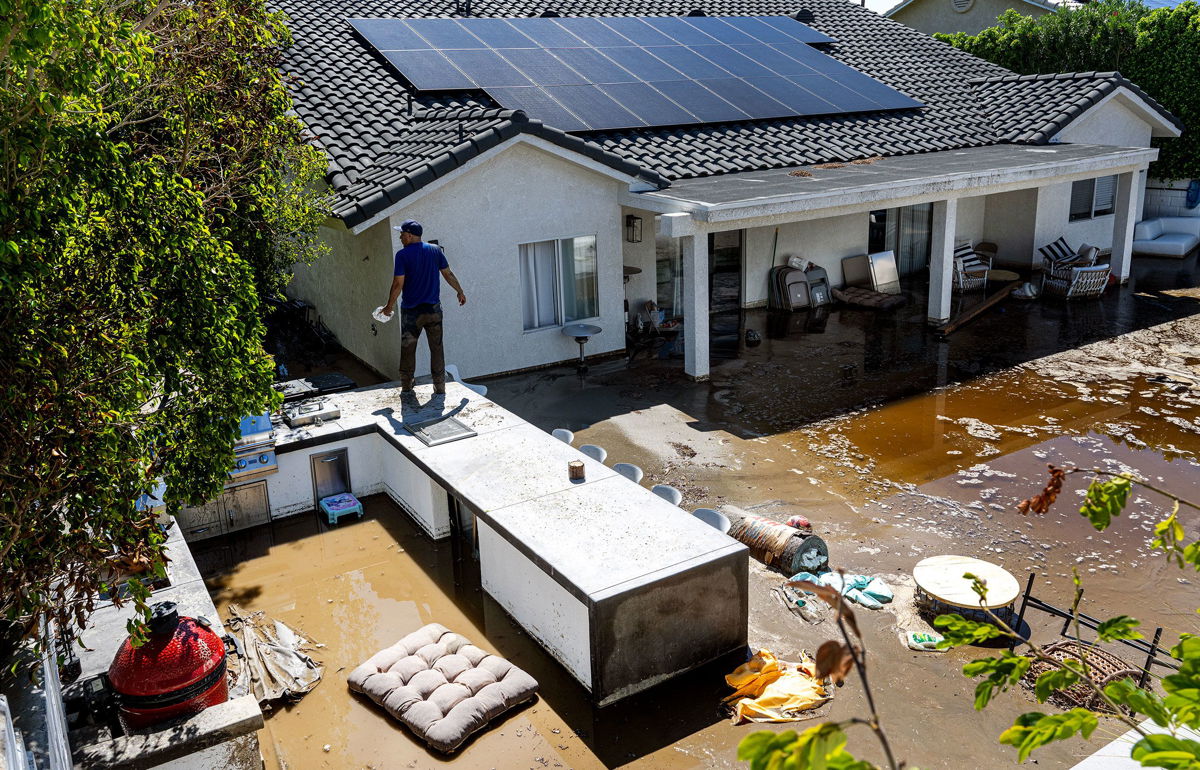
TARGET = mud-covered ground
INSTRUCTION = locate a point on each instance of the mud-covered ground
(930, 474)
(930, 467)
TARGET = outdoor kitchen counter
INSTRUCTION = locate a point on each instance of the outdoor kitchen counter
(622, 587)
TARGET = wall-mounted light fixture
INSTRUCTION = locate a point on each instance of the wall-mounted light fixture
(633, 228)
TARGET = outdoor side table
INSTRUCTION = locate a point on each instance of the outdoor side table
(337, 506)
(942, 588)
(1002, 276)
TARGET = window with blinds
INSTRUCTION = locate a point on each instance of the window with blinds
(558, 282)
(1093, 197)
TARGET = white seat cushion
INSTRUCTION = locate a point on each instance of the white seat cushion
(1147, 230)
(441, 686)
(1167, 245)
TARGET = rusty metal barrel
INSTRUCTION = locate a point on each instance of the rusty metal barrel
(784, 548)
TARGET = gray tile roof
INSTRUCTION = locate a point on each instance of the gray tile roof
(383, 143)
(1030, 109)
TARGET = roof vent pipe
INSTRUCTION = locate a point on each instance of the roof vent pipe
(462, 7)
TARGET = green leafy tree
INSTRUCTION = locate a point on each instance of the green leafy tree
(1159, 50)
(1176, 710)
(153, 188)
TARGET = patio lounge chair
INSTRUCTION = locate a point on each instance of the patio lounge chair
(1059, 259)
(970, 268)
(1080, 282)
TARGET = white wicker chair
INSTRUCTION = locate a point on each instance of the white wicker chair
(1080, 282)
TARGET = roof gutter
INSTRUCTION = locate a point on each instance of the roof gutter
(820, 204)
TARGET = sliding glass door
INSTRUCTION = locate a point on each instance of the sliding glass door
(907, 231)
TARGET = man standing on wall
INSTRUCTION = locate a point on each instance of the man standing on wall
(416, 275)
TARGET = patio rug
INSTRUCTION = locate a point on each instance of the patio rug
(857, 295)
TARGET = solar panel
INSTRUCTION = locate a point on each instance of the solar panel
(593, 73)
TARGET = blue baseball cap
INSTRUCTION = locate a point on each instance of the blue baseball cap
(411, 226)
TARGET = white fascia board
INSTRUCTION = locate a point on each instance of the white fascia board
(1159, 126)
(957, 185)
(478, 160)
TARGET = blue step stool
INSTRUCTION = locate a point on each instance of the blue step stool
(340, 505)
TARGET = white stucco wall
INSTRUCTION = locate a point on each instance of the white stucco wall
(931, 16)
(521, 194)
(291, 489)
(971, 216)
(1111, 123)
(824, 242)
(641, 287)
(424, 500)
(545, 609)
(1008, 222)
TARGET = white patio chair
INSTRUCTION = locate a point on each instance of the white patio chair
(596, 453)
(714, 519)
(563, 435)
(452, 371)
(668, 493)
(1082, 282)
(629, 471)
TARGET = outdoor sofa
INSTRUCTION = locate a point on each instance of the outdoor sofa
(1166, 236)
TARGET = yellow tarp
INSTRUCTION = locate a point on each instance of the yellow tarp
(771, 690)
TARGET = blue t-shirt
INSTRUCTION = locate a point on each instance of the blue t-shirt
(420, 264)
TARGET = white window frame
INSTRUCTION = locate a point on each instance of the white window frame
(1094, 211)
(559, 292)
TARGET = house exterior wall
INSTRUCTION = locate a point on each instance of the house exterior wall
(519, 195)
(972, 213)
(643, 286)
(1008, 222)
(1111, 123)
(931, 16)
(825, 242)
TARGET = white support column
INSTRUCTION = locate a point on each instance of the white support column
(695, 305)
(1125, 210)
(941, 260)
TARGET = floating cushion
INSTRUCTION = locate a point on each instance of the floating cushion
(441, 686)
(1168, 245)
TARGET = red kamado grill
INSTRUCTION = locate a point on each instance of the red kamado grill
(180, 670)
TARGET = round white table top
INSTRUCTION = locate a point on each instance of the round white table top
(942, 578)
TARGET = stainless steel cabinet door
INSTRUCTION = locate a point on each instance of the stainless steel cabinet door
(331, 474)
(246, 506)
(202, 521)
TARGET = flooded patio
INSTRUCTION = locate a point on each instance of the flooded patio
(896, 444)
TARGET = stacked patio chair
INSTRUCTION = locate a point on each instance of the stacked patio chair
(970, 268)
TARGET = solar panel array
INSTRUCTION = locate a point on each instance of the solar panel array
(592, 73)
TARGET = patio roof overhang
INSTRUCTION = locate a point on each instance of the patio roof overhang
(898, 180)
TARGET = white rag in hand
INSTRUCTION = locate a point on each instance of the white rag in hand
(381, 316)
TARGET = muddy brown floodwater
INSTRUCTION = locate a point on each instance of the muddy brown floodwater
(936, 473)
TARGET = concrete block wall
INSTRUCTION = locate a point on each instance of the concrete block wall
(1168, 199)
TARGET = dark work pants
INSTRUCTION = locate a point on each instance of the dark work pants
(412, 321)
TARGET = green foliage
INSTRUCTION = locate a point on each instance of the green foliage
(1120, 627)
(1056, 679)
(1167, 751)
(1159, 50)
(1035, 729)
(1000, 674)
(957, 631)
(1169, 537)
(1105, 500)
(1183, 687)
(819, 748)
(153, 187)
(1126, 693)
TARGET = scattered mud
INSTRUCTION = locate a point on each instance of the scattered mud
(935, 473)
